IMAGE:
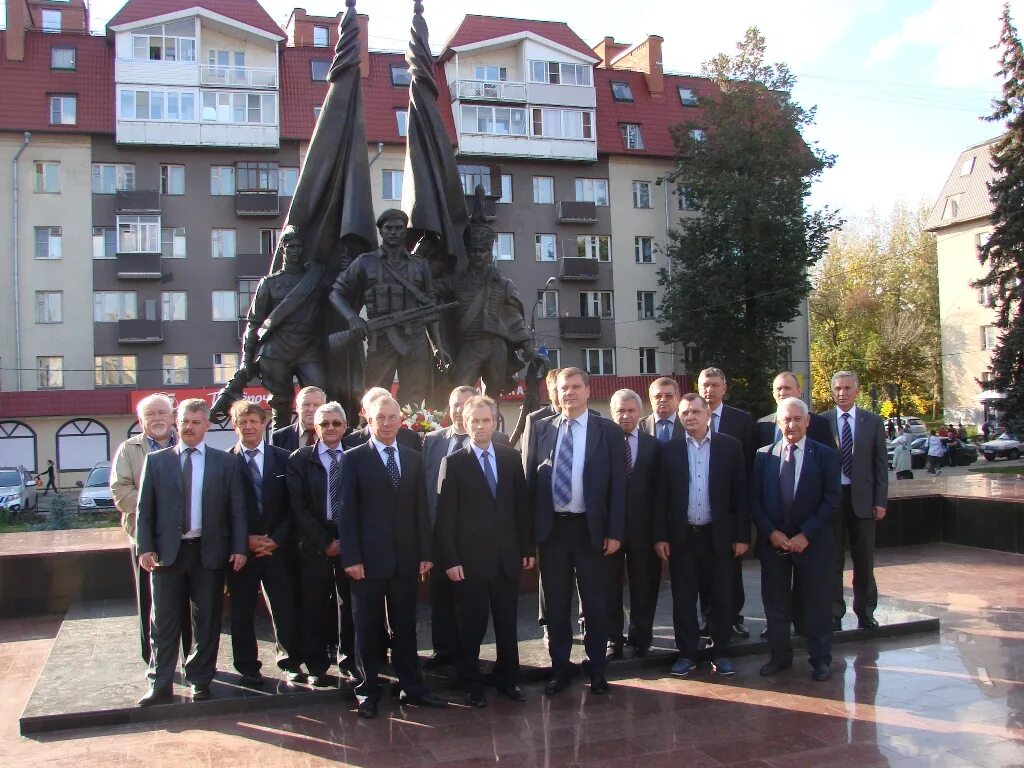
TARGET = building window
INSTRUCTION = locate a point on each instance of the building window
(108, 178)
(175, 369)
(506, 188)
(318, 69)
(599, 361)
(289, 179)
(504, 248)
(952, 207)
(562, 123)
(246, 293)
(402, 121)
(225, 306)
(172, 179)
(400, 74)
(63, 58)
(596, 304)
(555, 358)
(51, 372)
(648, 360)
(49, 243)
(641, 194)
(621, 91)
(474, 175)
(592, 190)
(697, 134)
(547, 303)
(268, 240)
(49, 307)
(497, 121)
(222, 180)
(645, 305)
(981, 239)
(174, 41)
(47, 178)
(967, 167)
(63, 110)
(250, 108)
(116, 370)
(104, 242)
(594, 247)
(222, 243)
(989, 337)
(51, 21)
(316, 112)
(138, 234)
(985, 294)
(543, 190)
(257, 177)
(490, 73)
(224, 366)
(111, 306)
(321, 37)
(688, 96)
(559, 73)
(643, 249)
(174, 306)
(172, 242)
(391, 185)
(684, 200)
(545, 246)
(158, 104)
(631, 136)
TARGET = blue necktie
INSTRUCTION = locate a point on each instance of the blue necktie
(561, 487)
(787, 482)
(664, 430)
(492, 481)
(392, 467)
(334, 484)
(256, 476)
(846, 447)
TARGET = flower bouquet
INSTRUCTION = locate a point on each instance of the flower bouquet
(421, 419)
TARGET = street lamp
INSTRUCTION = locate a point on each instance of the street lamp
(540, 297)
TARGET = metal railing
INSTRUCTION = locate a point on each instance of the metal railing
(490, 90)
(238, 77)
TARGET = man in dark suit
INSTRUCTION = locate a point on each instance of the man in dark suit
(739, 424)
(663, 423)
(859, 436)
(314, 487)
(551, 409)
(484, 539)
(303, 431)
(191, 525)
(701, 526)
(385, 535)
(263, 469)
(786, 384)
(576, 477)
(794, 494)
(357, 437)
(636, 556)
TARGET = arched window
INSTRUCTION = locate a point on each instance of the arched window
(81, 444)
(17, 445)
(135, 429)
(221, 435)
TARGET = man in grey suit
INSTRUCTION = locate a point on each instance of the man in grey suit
(191, 525)
(859, 436)
(663, 423)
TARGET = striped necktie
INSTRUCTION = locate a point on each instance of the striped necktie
(561, 486)
(334, 485)
(846, 447)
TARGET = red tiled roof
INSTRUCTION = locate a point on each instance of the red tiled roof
(29, 84)
(65, 402)
(475, 29)
(246, 11)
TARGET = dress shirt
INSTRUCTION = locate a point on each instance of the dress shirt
(579, 450)
(379, 446)
(155, 446)
(634, 445)
(490, 457)
(325, 460)
(698, 456)
(798, 458)
(714, 423)
(853, 437)
(198, 470)
(453, 441)
(261, 452)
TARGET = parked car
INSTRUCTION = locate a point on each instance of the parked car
(964, 454)
(17, 489)
(1003, 448)
(96, 495)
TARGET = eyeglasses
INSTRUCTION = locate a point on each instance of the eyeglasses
(337, 424)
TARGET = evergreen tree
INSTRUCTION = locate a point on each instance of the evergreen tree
(1003, 254)
(738, 270)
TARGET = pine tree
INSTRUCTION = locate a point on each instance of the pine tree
(1003, 254)
(738, 270)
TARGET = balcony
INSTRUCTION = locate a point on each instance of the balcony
(257, 204)
(138, 201)
(252, 264)
(579, 327)
(490, 206)
(576, 212)
(140, 331)
(578, 268)
(238, 77)
(139, 266)
(487, 90)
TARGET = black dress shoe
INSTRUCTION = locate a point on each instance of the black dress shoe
(476, 699)
(837, 625)
(614, 650)
(821, 671)
(156, 696)
(867, 621)
(424, 700)
(642, 651)
(367, 709)
(320, 681)
(556, 685)
(252, 681)
(740, 631)
(512, 691)
(598, 684)
(200, 692)
(295, 675)
(438, 660)
(774, 666)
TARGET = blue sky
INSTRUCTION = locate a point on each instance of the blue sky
(899, 84)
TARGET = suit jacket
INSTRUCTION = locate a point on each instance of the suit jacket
(307, 492)
(604, 478)
(531, 418)
(405, 437)
(814, 503)
(739, 424)
(647, 426)
(435, 448)
(817, 430)
(288, 437)
(162, 504)
(727, 494)
(388, 531)
(642, 491)
(484, 534)
(869, 486)
(275, 520)
(126, 477)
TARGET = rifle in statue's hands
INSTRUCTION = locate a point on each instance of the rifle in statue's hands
(374, 326)
(232, 392)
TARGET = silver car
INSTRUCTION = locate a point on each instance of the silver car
(17, 489)
(96, 495)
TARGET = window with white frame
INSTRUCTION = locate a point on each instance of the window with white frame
(318, 69)
(109, 178)
(548, 304)
(224, 366)
(321, 37)
(242, 108)
(47, 177)
(175, 369)
(51, 21)
(506, 188)
(257, 177)
(111, 306)
(688, 97)
(621, 91)
(989, 337)
(643, 249)
(648, 360)
(645, 305)
(554, 123)
(174, 41)
(597, 304)
(967, 167)
(172, 242)
(497, 121)
(641, 194)
(51, 371)
(63, 110)
(222, 243)
(697, 134)
(504, 247)
(402, 121)
(546, 247)
(49, 306)
(289, 180)
(138, 234)
(559, 73)
(594, 247)
(490, 73)
(543, 190)
(164, 104)
(116, 370)
(63, 58)
(592, 190)
(222, 180)
(225, 306)
(951, 209)
(400, 74)
(981, 240)
(474, 175)
(49, 243)
(316, 112)
(268, 240)
(246, 293)
(554, 357)
(391, 185)
(683, 199)
(985, 294)
(104, 242)
(174, 306)
(172, 179)
(599, 361)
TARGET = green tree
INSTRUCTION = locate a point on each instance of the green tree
(1003, 254)
(739, 270)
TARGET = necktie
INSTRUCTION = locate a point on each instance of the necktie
(257, 477)
(392, 466)
(714, 422)
(186, 477)
(664, 430)
(629, 457)
(561, 487)
(310, 437)
(460, 443)
(787, 482)
(334, 485)
(846, 447)
(492, 481)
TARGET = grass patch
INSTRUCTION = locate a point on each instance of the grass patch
(1004, 469)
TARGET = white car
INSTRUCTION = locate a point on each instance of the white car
(1002, 447)
(96, 495)
(17, 489)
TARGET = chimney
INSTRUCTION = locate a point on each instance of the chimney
(645, 57)
(607, 50)
(17, 20)
(364, 44)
